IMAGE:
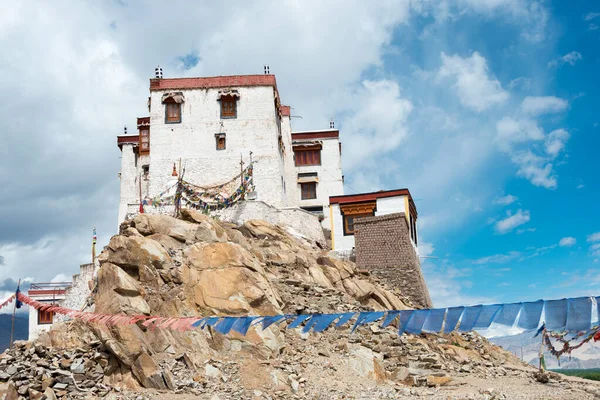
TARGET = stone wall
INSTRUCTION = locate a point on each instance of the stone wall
(78, 293)
(296, 221)
(383, 246)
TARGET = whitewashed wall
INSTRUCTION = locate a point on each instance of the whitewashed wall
(385, 206)
(34, 329)
(255, 129)
(330, 178)
(291, 187)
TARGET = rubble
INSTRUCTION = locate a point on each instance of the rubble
(201, 267)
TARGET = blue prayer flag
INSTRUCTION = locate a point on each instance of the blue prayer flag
(508, 314)
(404, 317)
(270, 320)
(469, 317)
(530, 314)
(242, 324)
(452, 317)
(18, 302)
(299, 320)
(579, 316)
(486, 316)
(389, 318)
(555, 314)
(435, 320)
(416, 321)
(225, 325)
(320, 322)
(344, 318)
(366, 318)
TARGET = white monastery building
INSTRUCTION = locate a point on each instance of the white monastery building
(346, 209)
(210, 129)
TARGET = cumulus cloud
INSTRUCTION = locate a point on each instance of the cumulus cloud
(567, 241)
(555, 142)
(511, 131)
(512, 221)
(474, 85)
(570, 58)
(506, 200)
(535, 169)
(536, 105)
(498, 258)
(594, 237)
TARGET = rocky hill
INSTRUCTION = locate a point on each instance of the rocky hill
(197, 266)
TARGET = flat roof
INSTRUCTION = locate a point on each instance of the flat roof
(212, 82)
(127, 139)
(361, 197)
(317, 134)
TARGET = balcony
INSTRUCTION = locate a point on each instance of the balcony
(50, 289)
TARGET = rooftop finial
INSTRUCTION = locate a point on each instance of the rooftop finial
(267, 70)
(158, 72)
(331, 123)
(125, 130)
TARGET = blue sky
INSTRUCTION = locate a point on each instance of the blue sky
(487, 110)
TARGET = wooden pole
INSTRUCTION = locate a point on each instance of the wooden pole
(12, 328)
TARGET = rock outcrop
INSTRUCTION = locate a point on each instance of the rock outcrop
(197, 266)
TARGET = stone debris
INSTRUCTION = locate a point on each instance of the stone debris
(198, 266)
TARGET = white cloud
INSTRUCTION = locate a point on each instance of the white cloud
(567, 241)
(590, 16)
(512, 221)
(474, 86)
(570, 59)
(536, 169)
(594, 237)
(506, 200)
(521, 231)
(536, 105)
(425, 249)
(580, 186)
(555, 142)
(520, 82)
(377, 124)
(511, 131)
(498, 258)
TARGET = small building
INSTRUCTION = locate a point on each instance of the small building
(49, 293)
(73, 295)
(344, 210)
(380, 230)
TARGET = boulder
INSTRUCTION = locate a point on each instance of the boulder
(147, 224)
(134, 251)
(220, 255)
(147, 372)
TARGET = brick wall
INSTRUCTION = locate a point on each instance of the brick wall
(383, 247)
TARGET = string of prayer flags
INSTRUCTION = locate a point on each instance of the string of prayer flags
(562, 318)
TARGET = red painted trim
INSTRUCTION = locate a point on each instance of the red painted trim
(213, 82)
(286, 111)
(129, 139)
(46, 292)
(143, 121)
(315, 135)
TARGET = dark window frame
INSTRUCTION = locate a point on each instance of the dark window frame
(347, 230)
(231, 101)
(308, 192)
(171, 104)
(310, 157)
(45, 317)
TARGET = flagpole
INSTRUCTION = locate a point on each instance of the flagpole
(12, 328)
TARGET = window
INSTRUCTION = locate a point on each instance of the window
(144, 141)
(45, 317)
(220, 139)
(349, 222)
(350, 212)
(413, 229)
(308, 190)
(173, 112)
(307, 157)
(228, 107)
